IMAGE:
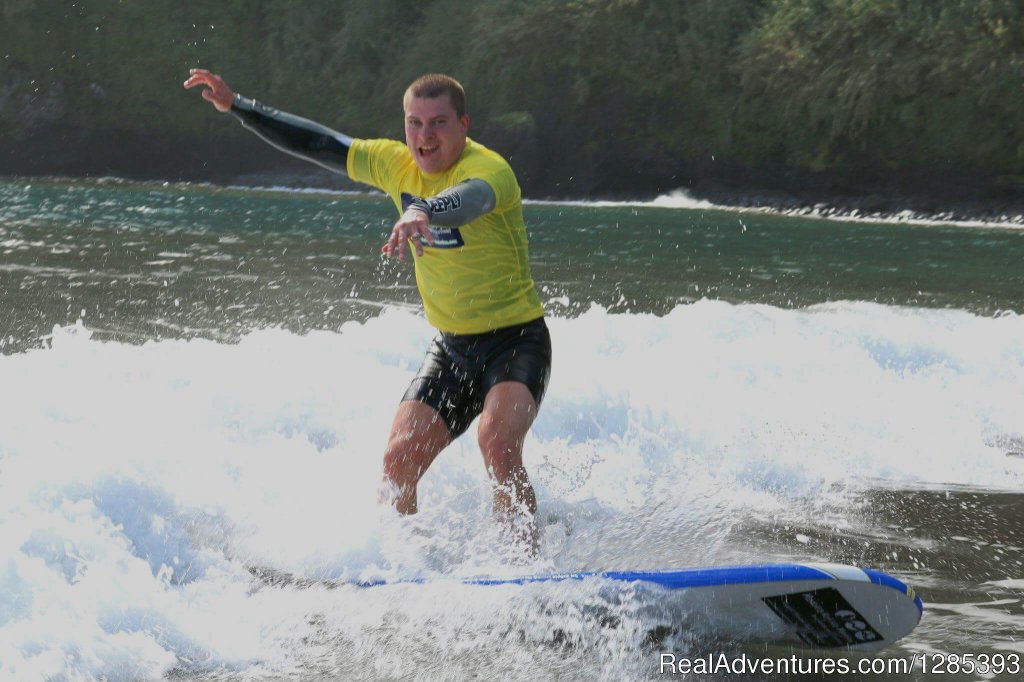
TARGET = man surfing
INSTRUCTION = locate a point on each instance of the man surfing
(461, 213)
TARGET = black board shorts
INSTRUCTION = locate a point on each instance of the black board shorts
(460, 369)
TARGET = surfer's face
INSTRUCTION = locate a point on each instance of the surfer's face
(434, 132)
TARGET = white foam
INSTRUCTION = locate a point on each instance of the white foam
(138, 482)
(678, 198)
(681, 198)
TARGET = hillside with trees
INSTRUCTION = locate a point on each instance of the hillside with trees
(786, 100)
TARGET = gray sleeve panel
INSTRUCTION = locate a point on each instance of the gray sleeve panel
(308, 140)
(460, 204)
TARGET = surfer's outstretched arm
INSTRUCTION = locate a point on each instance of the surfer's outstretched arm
(294, 135)
(308, 140)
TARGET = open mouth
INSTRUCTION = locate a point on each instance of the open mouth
(429, 151)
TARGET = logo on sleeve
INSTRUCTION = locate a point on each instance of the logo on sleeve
(449, 201)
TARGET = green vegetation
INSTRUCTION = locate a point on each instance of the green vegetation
(585, 96)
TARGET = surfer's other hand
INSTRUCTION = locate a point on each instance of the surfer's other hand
(216, 90)
(414, 226)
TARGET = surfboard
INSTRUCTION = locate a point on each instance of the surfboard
(813, 604)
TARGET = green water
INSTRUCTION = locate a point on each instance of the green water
(149, 261)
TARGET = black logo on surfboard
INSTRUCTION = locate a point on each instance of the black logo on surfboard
(823, 618)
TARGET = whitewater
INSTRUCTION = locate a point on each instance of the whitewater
(142, 480)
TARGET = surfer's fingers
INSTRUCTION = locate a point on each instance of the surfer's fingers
(393, 242)
(414, 231)
(199, 76)
(212, 80)
(424, 230)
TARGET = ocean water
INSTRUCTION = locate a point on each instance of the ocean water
(199, 380)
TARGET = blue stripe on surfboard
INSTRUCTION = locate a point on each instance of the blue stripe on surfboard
(887, 580)
(689, 577)
(730, 575)
(683, 578)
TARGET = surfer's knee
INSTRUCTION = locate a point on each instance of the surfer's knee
(408, 455)
(502, 451)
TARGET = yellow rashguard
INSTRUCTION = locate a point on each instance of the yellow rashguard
(475, 278)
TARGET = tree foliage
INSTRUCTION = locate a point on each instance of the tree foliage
(592, 96)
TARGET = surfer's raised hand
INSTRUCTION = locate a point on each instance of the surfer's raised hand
(216, 91)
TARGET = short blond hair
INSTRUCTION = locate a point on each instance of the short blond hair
(433, 85)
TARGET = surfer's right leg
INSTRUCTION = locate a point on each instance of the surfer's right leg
(418, 434)
(433, 413)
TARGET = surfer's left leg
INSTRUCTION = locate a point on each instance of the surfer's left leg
(509, 410)
(517, 368)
